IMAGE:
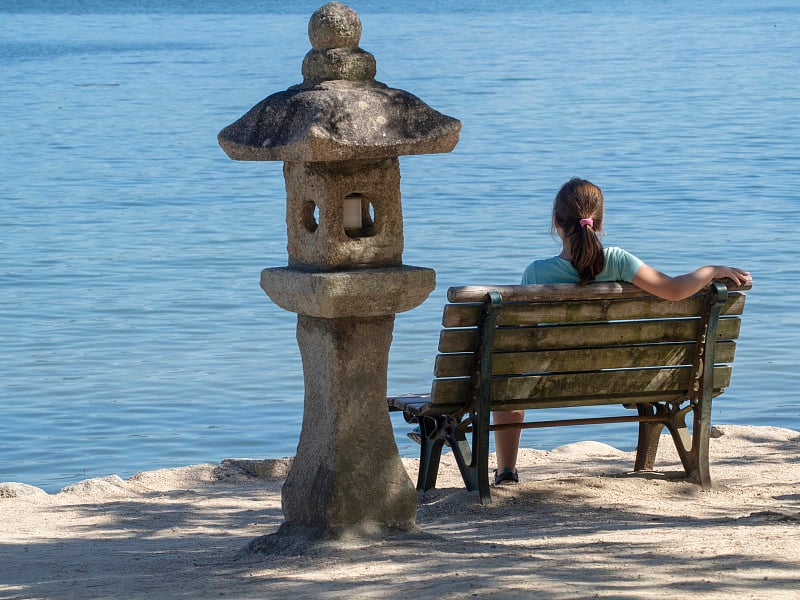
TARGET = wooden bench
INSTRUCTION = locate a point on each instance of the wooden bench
(567, 345)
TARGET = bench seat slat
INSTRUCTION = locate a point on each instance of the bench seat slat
(419, 406)
(409, 401)
(585, 336)
(583, 359)
(588, 385)
(467, 315)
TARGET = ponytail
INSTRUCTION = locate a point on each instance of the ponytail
(578, 211)
(587, 254)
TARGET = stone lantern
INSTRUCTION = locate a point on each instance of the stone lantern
(339, 135)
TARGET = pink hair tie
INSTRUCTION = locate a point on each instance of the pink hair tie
(585, 222)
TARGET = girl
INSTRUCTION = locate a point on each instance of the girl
(578, 220)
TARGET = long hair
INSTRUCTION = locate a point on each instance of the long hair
(577, 201)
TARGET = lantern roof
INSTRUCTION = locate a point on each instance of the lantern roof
(339, 112)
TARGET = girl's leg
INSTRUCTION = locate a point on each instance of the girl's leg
(506, 441)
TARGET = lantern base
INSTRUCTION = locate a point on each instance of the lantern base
(294, 539)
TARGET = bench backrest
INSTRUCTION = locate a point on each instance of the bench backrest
(576, 345)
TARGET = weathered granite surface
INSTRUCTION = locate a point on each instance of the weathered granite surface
(364, 293)
(322, 241)
(339, 112)
(339, 134)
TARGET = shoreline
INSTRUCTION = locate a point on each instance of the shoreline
(578, 525)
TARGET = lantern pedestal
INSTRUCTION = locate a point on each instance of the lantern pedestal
(347, 477)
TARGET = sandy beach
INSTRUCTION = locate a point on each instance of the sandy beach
(577, 526)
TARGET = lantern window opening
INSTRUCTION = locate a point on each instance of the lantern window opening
(358, 216)
(310, 216)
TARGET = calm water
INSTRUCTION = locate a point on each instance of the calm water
(133, 332)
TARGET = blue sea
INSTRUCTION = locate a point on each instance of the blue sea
(133, 331)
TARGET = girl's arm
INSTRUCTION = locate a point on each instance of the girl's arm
(677, 288)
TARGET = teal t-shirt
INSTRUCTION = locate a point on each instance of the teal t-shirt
(620, 265)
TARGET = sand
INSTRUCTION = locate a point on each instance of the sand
(577, 526)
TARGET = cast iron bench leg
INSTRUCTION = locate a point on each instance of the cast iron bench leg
(430, 453)
(649, 436)
(692, 448)
(463, 456)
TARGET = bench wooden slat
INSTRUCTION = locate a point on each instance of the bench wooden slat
(579, 388)
(584, 336)
(555, 292)
(416, 407)
(550, 292)
(467, 315)
(583, 359)
(420, 405)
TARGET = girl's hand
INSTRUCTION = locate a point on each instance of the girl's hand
(738, 276)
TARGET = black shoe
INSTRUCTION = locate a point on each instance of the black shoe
(506, 476)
